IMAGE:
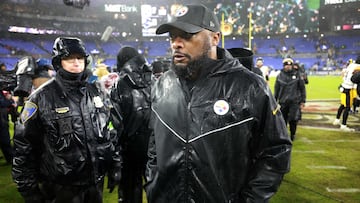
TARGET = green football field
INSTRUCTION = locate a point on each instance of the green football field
(324, 164)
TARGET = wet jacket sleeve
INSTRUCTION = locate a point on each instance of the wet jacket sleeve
(270, 150)
(302, 91)
(116, 111)
(120, 98)
(26, 158)
(276, 89)
(151, 166)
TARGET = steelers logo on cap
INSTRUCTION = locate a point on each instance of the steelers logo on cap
(181, 11)
(221, 107)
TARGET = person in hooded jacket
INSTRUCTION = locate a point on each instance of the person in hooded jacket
(131, 98)
(218, 134)
(67, 145)
(290, 93)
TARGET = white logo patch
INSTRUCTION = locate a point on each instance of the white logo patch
(98, 103)
(221, 107)
(181, 11)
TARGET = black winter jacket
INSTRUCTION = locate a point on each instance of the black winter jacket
(221, 140)
(64, 142)
(289, 88)
(131, 98)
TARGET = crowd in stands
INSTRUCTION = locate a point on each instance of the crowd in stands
(268, 19)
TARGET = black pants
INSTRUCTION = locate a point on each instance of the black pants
(344, 109)
(54, 193)
(290, 112)
(133, 171)
(5, 144)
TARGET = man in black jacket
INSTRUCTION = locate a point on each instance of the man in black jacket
(131, 98)
(290, 93)
(67, 145)
(218, 134)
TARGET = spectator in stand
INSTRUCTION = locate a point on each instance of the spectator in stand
(290, 93)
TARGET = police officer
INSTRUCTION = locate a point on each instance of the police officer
(131, 98)
(67, 145)
(290, 94)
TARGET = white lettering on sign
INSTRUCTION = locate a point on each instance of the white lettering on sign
(333, 2)
(120, 8)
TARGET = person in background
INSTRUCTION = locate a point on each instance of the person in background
(355, 78)
(41, 74)
(131, 98)
(158, 69)
(29, 79)
(303, 76)
(101, 70)
(265, 70)
(347, 95)
(6, 102)
(218, 135)
(302, 72)
(290, 93)
(67, 145)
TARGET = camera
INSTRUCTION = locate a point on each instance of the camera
(25, 69)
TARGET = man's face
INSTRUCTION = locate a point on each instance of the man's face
(259, 63)
(288, 67)
(188, 49)
(75, 63)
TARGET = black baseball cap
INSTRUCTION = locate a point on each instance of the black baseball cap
(288, 61)
(192, 19)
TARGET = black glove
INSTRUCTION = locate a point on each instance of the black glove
(114, 178)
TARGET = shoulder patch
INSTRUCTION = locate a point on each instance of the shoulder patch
(29, 111)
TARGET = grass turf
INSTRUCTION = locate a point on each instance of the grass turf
(306, 182)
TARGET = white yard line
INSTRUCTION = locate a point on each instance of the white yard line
(309, 151)
(343, 190)
(327, 167)
(336, 141)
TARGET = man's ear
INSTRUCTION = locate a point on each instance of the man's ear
(215, 39)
